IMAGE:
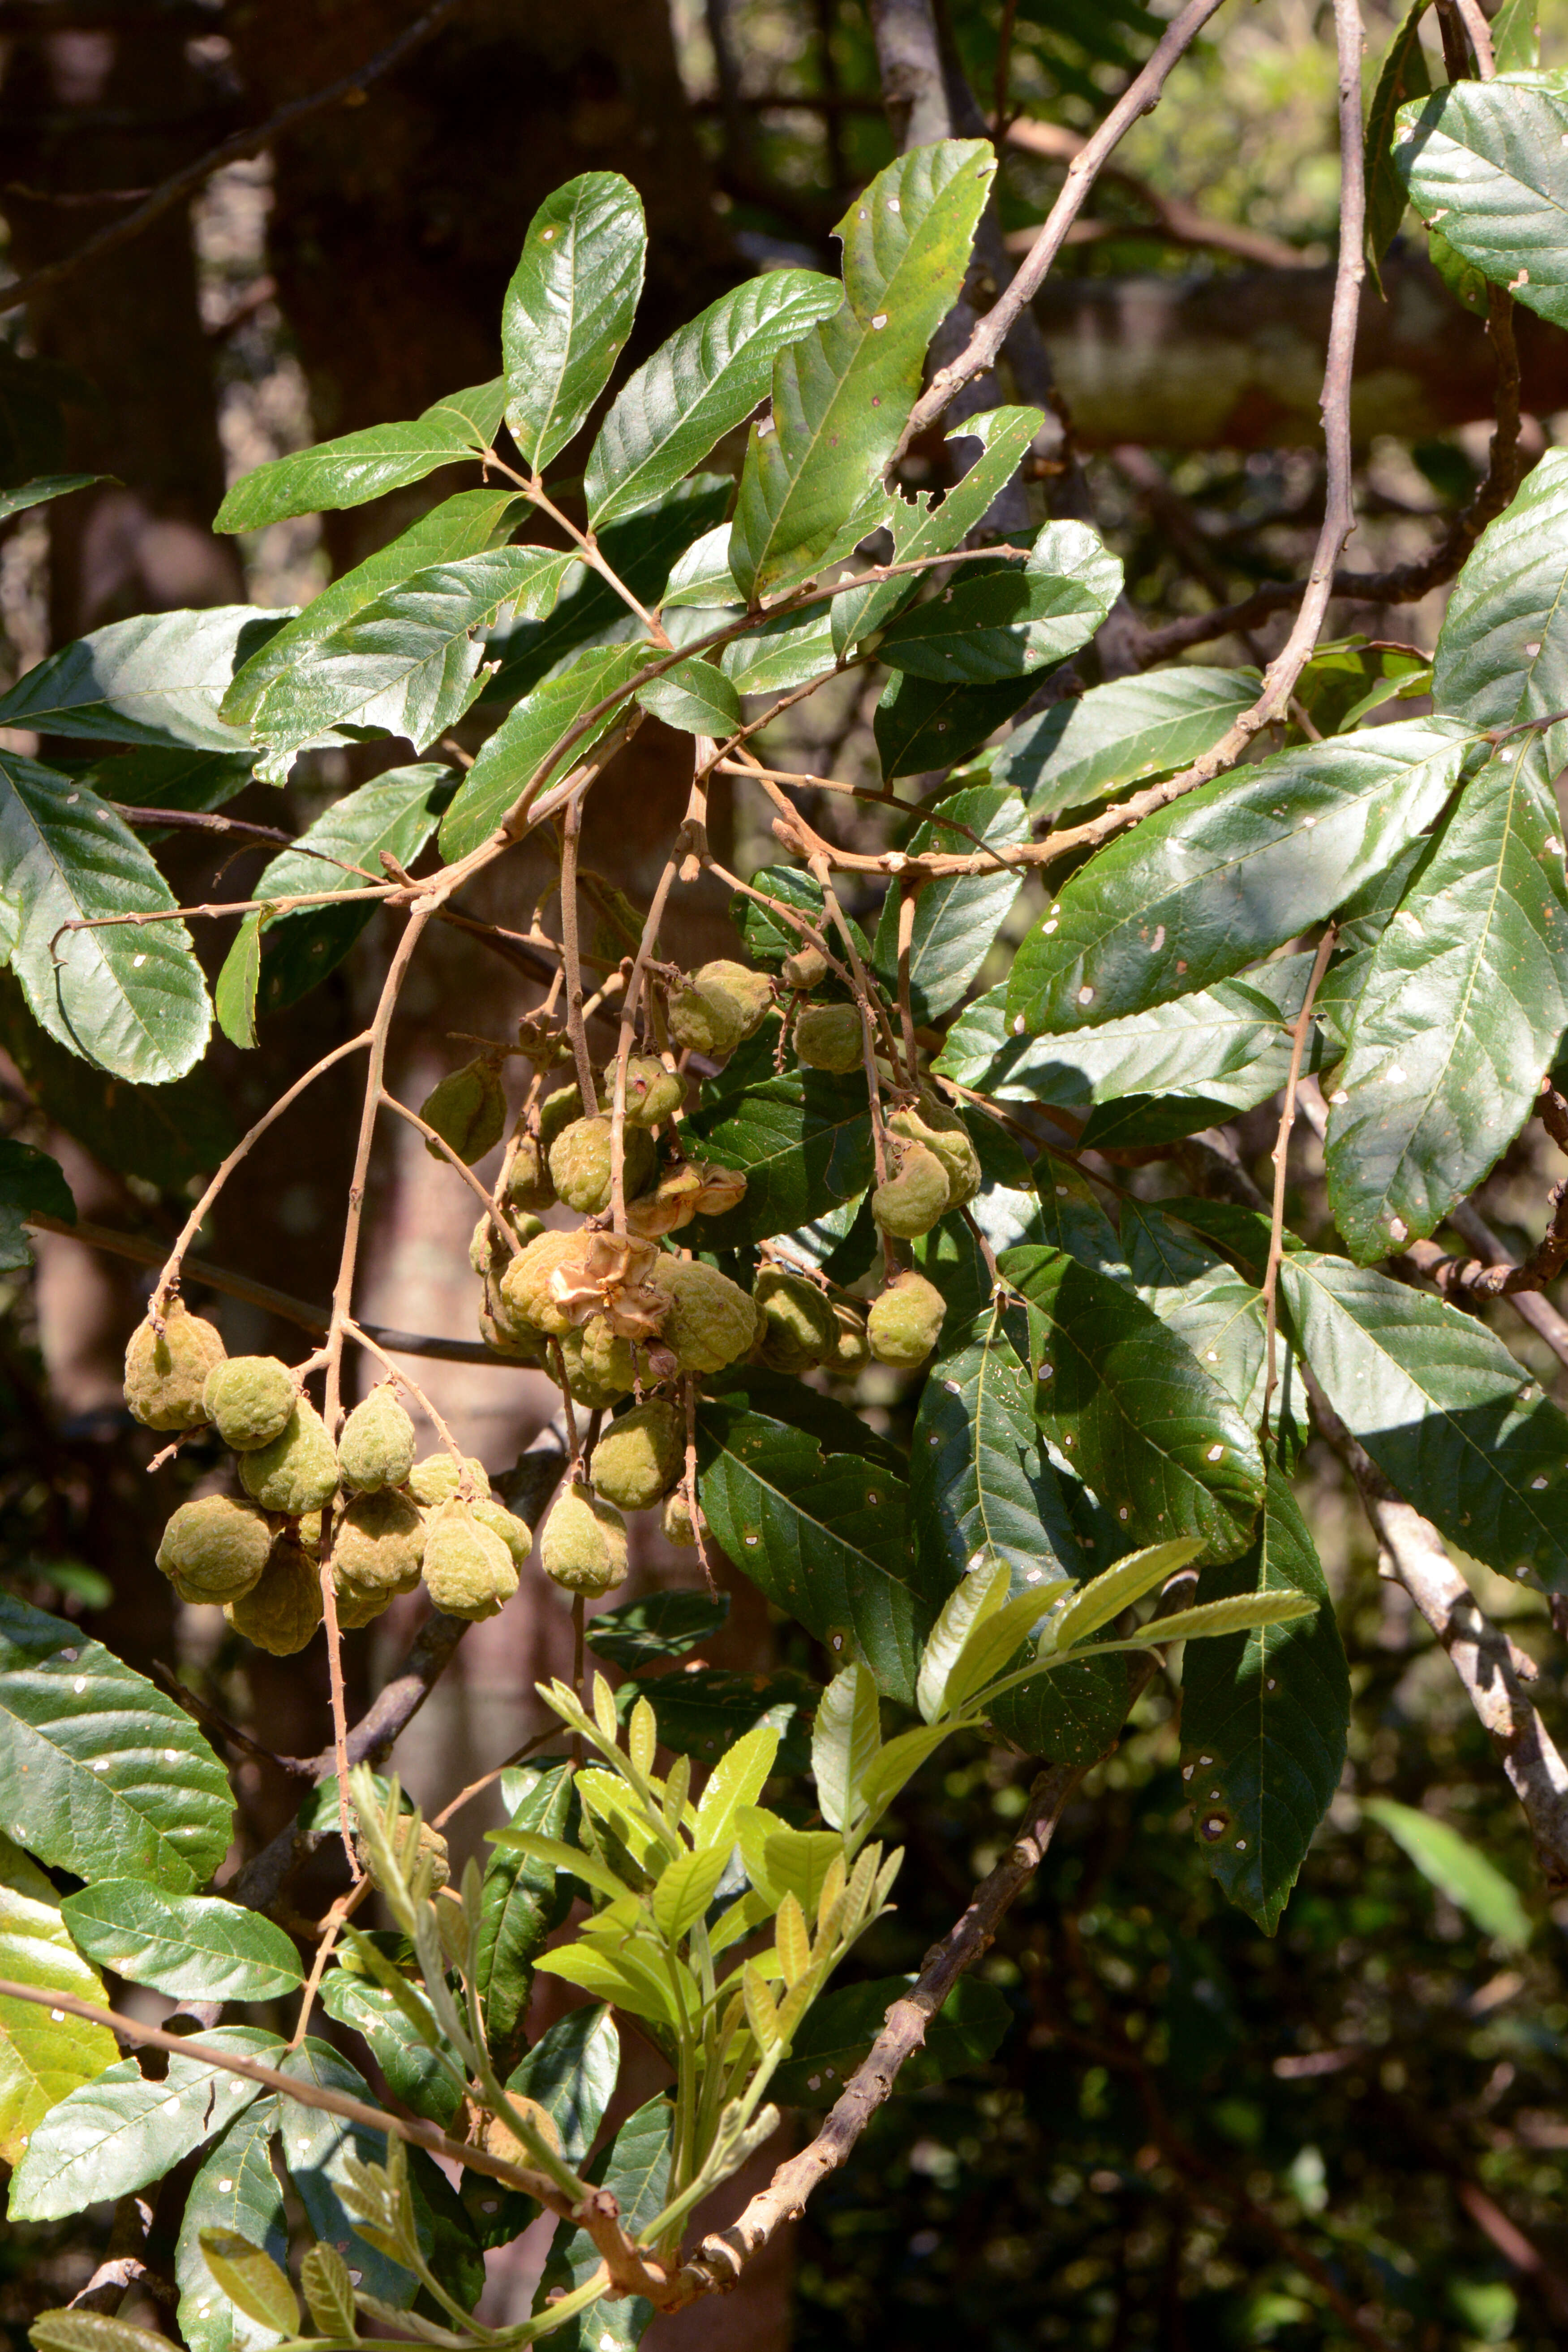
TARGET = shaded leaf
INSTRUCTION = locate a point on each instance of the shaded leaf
(704, 1711)
(1457, 1869)
(44, 2054)
(568, 308)
(664, 1626)
(521, 1904)
(235, 2189)
(920, 724)
(129, 996)
(43, 487)
(29, 1182)
(90, 2331)
(1488, 160)
(1264, 1719)
(100, 1772)
(957, 917)
(316, 2146)
(1001, 620)
(358, 467)
(838, 2031)
(981, 1486)
(695, 696)
(523, 749)
(195, 1945)
(414, 2072)
(166, 776)
(1078, 750)
(159, 678)
(1503, 650)
(572, 2072)
(636, 2169)
(803, 1138)
(1402, 74)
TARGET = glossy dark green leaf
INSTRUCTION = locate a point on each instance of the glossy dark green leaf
(1005, 619)
(235, 2189)
(1217, 879)
(316, 2146)
(1140, 1419)
(113, 2136)
(803, 1139)
(1403, 76)
(1072, 1715)
(195, 1945)
(414, 2072)
(568, 308)
(1460, 1015)
(1200, 1296)
(705, 379)
(695, 696)
(981, 1486)
(1077, 750)
(922, 527)
(1503, 650)
(703, 1712)
(129, 996)
(784, 652)
(921, 725)
(767, 936)
(166, 777)
(397, 813)
(100, 1772)
(842, 394)
(957, 917)
(841, 2027)
(408, 662)
(165, 1133)
(636, 2169)
(472, 523)
(521, 1905)
(159, 678)
(1443, 1409)
(1488, 160)
(664, 1626)
(1264, 1719)
(825, 1536)
(519, 753)
(30, 1180)
(45, 2053)
(1348, 679)
(1070, 1219)
(358, 467)
(43, 487)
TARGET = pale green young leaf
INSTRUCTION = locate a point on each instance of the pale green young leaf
(128, 996)
(792, 1939)
(993, 1643)
(195, 1945)
(1240, 1614)
(555, 1854)
(1003, 619)
(796, 1861)
(613, 1973)
(706, 379)
(568, 308)
(518, 754)
(239, 976)
(897, 1763)
(845, 1735)
(761, 2009)
(90, 2331)
(236, 2190)
(44, 2054)
(735, 1779)
(1457, 1869)
(685, 1888)
(1118, 1588)
(1231, 871)
(358, 467)
(321, 2151)
(1091, 744)
(842, 394)
(328, 2292)
(978, 1596)
(1516, 35)
(251, 2280)
(1489, 159)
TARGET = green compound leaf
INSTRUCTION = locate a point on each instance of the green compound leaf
(236, 2190)
(1488, 160)
(957, 917)
(842, 394)
(1137, 1416)
(697, 387)
(43, 2054)
(197, 1945)
(30, 1182)
(839, 2029)
(980, 1483)
(358, 467)
(118, 2132)
(1459, 1013)
(1233, 870)
(1075, 752)
(128, 996)
(824, 1534)
(1443, 1409)
(519, 754)
(99, 1773)
(1264, 1719)
(920, 725)
(568, 308)
(999, 620)
(1503, 650)
(1403, 75)
(1457, 1869)
(802, 1138)
(159, 679)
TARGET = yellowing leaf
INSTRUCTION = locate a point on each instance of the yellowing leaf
(44, 2053)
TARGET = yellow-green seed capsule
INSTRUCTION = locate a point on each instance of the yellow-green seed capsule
(377, 1446)
(679, 1527)
(299, 1471)
(515, 1533)
(282, 1609)
(467, 1109)
(526, 1285)
(906, 1321)
(380, 1543)
(941, 1130)
(805, 968)
(710, 1321)
(248, 1399)
(914, 1196)
(852, 1349)
(600, 1368)
(640, 1456)
(712, 1010)
(583, 1547)
(468, 1568)
(361, 1605)
(828, 1037)
(652, 1093)
(580, 1165)
(215, 1548)
(796, 1321)
(527, 1187)
(166, 1372)
(437, 1477)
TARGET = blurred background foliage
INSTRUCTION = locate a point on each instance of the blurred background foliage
(1191, 2135)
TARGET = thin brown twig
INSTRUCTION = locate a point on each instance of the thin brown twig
(570, 832)
(487, 1199)
(908, 902)
(1281, 1156)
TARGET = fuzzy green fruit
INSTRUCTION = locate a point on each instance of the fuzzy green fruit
(377, 1446)
(710, 1321)
(487, 1252)
(796, 1321)
(515, 1533)
(215, 1548)
(828, 1037)
(600, 1368)
(248, 1399)
(436, 1478)
(467, 1109)
(430, 1851)
(652, 1093)
(678, 1526)
(580, 1163)
(906, 1321)
(166, 1372)
(468, 1568)
(299, 1471)
(911, 1199)
(714, 1008)
(361, 1605)
(380, 1544)
(526, 1284)
(640, 1456)
(281, 1612)
(583, 1547)
(852, 1349)
(527, 1187)
(804, 968)
(942, 1132)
